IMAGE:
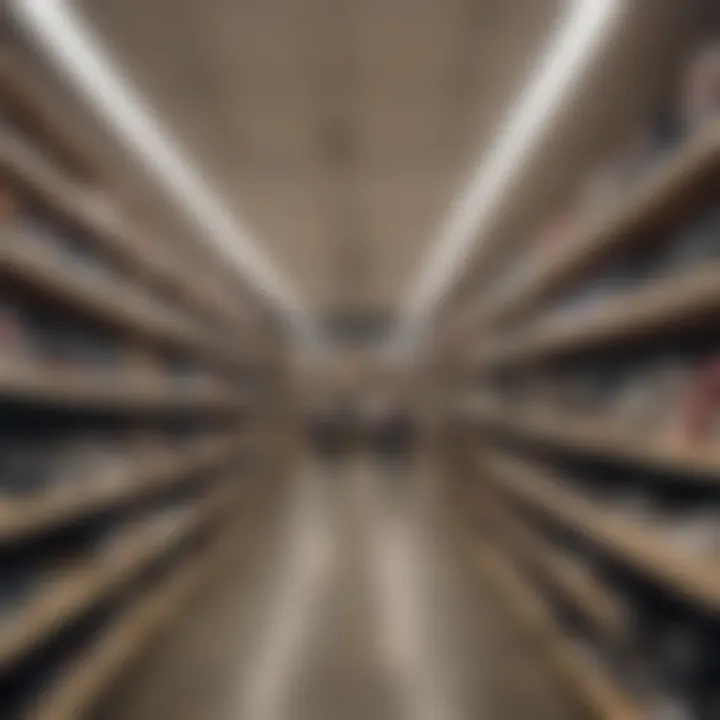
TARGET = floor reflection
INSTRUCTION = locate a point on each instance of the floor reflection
(357, 602)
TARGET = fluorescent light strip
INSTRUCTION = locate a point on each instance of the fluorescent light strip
(73, 46)
(573, 45)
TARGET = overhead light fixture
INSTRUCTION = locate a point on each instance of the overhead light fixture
(75, 49)
(580, 33)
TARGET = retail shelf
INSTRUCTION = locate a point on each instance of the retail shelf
(92, 213)
(69, 594)
(670, 302)
(589, 595)
(149, 345)
(680, 185)
(76, 203)
(81, 684)
(594, 687)
(608, 440)
(29, 382)
(90, 291)
(631, 541)
(25, 98)
(23, 517)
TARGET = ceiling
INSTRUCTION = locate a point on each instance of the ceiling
(338, 131)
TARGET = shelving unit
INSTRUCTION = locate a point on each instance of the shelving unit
(630, 541)
(586, 418)
(598, 693)
(20, 517)
(592, 598)
(135, 407)
(23, 98)
(38, 384)
(630, 316)
(76, 690)
(110, 299)
(683, 183)
(610, 441)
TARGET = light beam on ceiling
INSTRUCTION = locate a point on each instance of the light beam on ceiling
(74, 48)
(578, 37)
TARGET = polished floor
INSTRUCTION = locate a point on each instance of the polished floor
(354, 599)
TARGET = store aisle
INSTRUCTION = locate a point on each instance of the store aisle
(355, 602)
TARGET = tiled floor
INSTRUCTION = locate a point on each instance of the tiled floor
(355, 602)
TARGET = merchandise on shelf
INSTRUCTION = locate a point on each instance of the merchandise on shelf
(629, 273)
(26, 466)
(650, 398)
(8, 203)
(696, 532)
(69, 347)
(607, 184)
(171, 520)
(556, 234)
(695, 244)
(18, 581)
(36, 227)
(662, 705)
(701, 403)
(143, 364)
(668, 659)
(700, 90)
(13, 331)
(184, 369)
(93, 463)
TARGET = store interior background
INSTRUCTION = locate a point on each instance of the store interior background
(359, 359)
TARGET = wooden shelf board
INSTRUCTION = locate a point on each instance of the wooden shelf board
(610, 441)
(601, 607)
(83, 682)
(69, 595)
(676, 188)
(86, 290)
(628, 316)
(31, 383)
(20, 518)
(19, 91)
(645, 548)
(592, 686)
(25, 166)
